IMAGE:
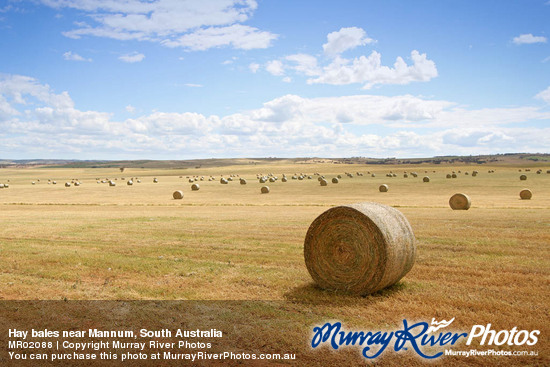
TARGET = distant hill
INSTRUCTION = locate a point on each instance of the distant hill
(494, 159)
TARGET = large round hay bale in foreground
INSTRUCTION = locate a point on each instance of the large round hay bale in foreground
(195, 187)
(383, 188)
(523, 177)
(265, 190)
(359, 248)
(525, 194)
(426, 179)
(177, 195)
(460, 202)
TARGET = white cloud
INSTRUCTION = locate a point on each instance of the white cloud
(369, 71)
(35, 120)
(254, 67)
(69, 55)
(365, 70)
(544, 95)
(132, 58)
(275, 67)
(346, 39)
(238, 36)
(195, 25)
(528, 39)
(193, 85)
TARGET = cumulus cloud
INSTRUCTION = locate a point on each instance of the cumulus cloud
(365, 70)
(528, 38)
(194, 25)
(34, 119)
(254, 67)
(544, 95)
(346, 39)
(132, 57)
(69, 55)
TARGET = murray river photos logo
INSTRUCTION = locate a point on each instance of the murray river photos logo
(417, 336)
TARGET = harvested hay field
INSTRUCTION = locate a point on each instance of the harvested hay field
(243, 252)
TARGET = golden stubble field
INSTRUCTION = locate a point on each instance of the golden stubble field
(490, 264)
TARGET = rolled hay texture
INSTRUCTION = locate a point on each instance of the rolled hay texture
(195, 187)
(323, 182)
(242, 181)
(265, 190)
(426, 179)
(383, 188)
(359, 248)
(460, 202)
(523, 177)
(177, 195)
(335, 180)
(525, 194)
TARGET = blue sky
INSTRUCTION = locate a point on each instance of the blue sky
(180, 79)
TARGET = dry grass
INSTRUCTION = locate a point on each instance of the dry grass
(490, 264)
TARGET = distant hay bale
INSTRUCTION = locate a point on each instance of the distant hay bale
(523, 177)
(323, 182)
(223, 181)
(129, 182)
(67, 184)
(460, 202)
(525, 194)
(339, 176)
(54, 182)
(263, 179)
(111, 183)
(265, 190)
(474, 173)
(6, 186)
(155, 180)
(335, 180)
(138, 181)
(272, 179)
(359, 248)
(1, 186)
(77, 183)
(426, 179)
(195, 187)
(373, 175)
(284, 179)
(34, 183)
(448, 175)
(405, 175)
(191, 180)
(383, 188)
(300, 178)
(242, 181)
(454, 175)
(548, 172)
(178, 195)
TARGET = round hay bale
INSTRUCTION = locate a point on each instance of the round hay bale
(34, 183)
(426, 179)
(178, 195)
(138, 181)
(1, 186)
(359, 248)
(54, 182)
(405, 175)
(111, 183)
(474, 174)
(129, 182)
(191, 180)
(300, 178)
(265, 190)
(6, 186)
(272, 179)
(335, 180)
(454, 175)
(263, 180)
(284, 179)
(77, 183)
(525, 194)
(323, 182)
(523, 177)
(155, 180)
(67, 184)
(548, 171)
(195, 187)
(383, 188)
(223, 181)
(339, 176)
(242, 181)
(448, 175)
(460, 202)
(373, 175)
